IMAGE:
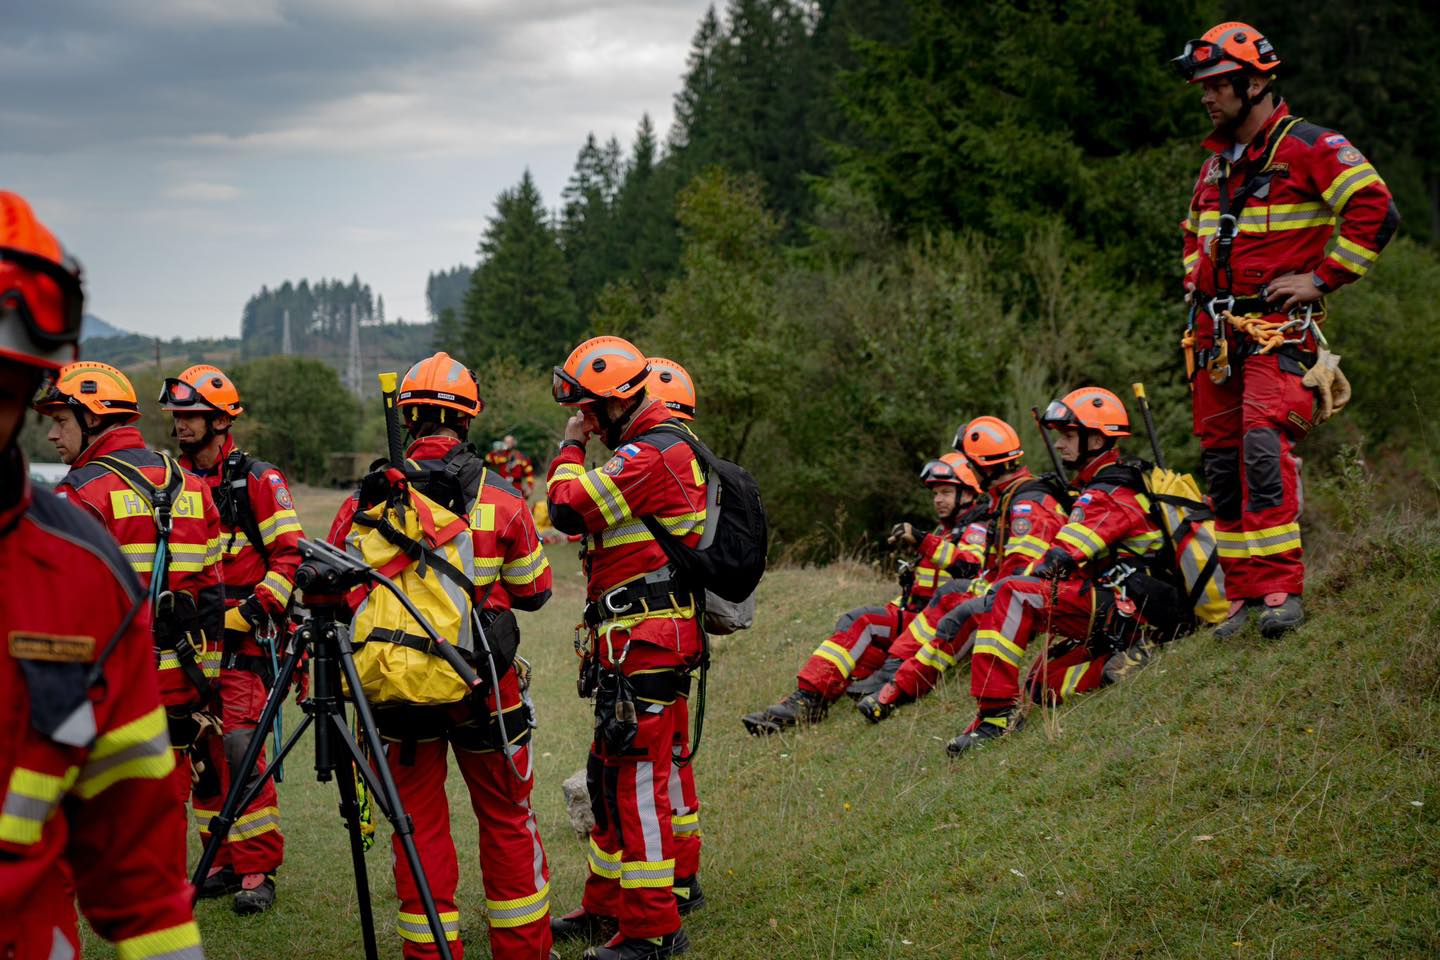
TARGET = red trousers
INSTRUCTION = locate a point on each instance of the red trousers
(514, 871)
(1017, 609)
(1068, 668)
(633, 853)
(937, 639)
(255, 844)
(858, 647)
(1248, 427)
(684, 802)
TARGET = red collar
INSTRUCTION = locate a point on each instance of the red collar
(1087, 472)
(226, 446)
(998, 492)
(112, 441)
(1223, 143)
(431, 448)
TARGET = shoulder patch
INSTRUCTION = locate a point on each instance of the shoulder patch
(51, 647)
(282, 496)
(1021, 526)
(614, 466)
(1349, 156)
(629, 450)
(1333, 140)
(1085, 498)
(1022, 508)
(1077, 515)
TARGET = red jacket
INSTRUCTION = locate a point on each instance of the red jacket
(657, 476)
(268, 574)
(87, 814)
(1319, 177)
(194, 544)
(1110, 521)
(511, 569)
(949, 552)
(1025, 516)
(512, 465)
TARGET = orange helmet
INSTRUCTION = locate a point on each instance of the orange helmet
(600, 368)
(988, 441)
(203, 389)
(41, 299)
(1226, 48)
(93, 386)
(671, 384)
(1089, 408)
(441, 381)
(952, 469)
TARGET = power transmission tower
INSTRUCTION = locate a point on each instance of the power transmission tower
(352, 368)
(285, 347)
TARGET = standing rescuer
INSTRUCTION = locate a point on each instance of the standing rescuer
(439, 398)
(1256, 271)
(639, 640)
(87, 812)
(259, 533)
(168, 529)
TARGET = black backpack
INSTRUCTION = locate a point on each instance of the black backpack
(730, 558)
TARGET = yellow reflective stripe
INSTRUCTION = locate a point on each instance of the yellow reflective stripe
(564, 472)
(278, 585)
(1082, 538)
(415, 927)
(1273, 540)
(30, 800)
(138, 750)
(998, 645)
(1071, 681)
(685, 824)
(1300, 216)
(520, 911)
(281, 521)
(934, 658)
(836, 654)
(264, 820)
(921, 628)
(647, 873)
(1352, 256)
(235, 542)
(1190, 260)
(606, 496)
(682, 523)
(1191, 220)
(1347, 182)
(1027, 546)
(527, 568)
(604, 864)
(1143, 543)
(173, 943)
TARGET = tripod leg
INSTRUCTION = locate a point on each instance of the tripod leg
(350, 811)
(399, 819)
(238, 796)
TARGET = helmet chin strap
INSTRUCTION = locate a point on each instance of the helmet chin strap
(614, 430)
(1240, 83)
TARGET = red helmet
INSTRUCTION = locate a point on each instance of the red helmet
(671, 385)
(989, 440)
(1226, 48)
(600, 368)
(90, 385)
(441, 381)
(201, 389)
(41, 298)
(951, 469)
(1089, 408)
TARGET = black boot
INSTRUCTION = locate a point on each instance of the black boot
(579, 925)
(642, 948)
(256, 894)
(688, 895)
(219, 883)
(876, 680)
(802, 706)
(1280, 614)
(984, 730)
(879, 706)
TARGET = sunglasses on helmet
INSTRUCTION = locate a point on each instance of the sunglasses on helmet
(1058, 415)
(46, 328)
(1198, 55)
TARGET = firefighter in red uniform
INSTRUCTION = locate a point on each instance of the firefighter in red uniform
(87, 812)
(1096, 590)
(439, 399)
(1023, 511)
(865, 638)
(1256, 271)
(671, 384)
(641, 638)
(259, 533)
(124, 484)
(512, 465)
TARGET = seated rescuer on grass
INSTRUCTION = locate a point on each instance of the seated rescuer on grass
(259, 537)
(91, 814)
(864, 640)
(640, 643)
(438, 400)
(1098, 590)
(1022, 511)
(116, 478)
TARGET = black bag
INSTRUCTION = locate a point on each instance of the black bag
(730, 558)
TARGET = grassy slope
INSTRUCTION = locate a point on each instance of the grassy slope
(1252, 800)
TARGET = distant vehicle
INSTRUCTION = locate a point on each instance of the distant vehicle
(47, 474)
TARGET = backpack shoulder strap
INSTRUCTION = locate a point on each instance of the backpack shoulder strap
(233, 501)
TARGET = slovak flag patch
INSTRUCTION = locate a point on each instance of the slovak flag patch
(1023, 508)
(629, 450)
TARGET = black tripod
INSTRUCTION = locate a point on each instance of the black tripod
(329, 573)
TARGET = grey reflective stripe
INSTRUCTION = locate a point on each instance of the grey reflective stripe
(1359, 173)
(1348, 255)
(599, 352)
(153, 747)
(538, 862)
(184, 953)
(60, 948)
(612, 505)
(677, 805)
(1019, 600)
(1275, 539)
(950, 624)
(1294, 215)
(645, 804)
(28, 808)
(850, 616)
(423, 927)
(511, 913)
(868, 634)
(632, 872)
(686, 828)
(513, 570)
(269, 820)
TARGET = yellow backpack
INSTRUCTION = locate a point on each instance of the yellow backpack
(429, 553)
(1190, 525)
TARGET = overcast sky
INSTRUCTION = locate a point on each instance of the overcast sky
(189, 151)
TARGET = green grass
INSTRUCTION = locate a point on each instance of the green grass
(1247, 800)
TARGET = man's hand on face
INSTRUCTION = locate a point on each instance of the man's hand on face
(1294, 288)
(579, 427)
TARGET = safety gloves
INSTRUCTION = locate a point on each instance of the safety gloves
(1330, 385)
(903, 534)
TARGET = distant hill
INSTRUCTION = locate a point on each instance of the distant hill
(93, 328)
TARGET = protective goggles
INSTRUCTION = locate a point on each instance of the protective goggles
(176, 394)
(24, 297)
(567, 390)
(1058, 416)
(1199, 55)
(938, 471)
